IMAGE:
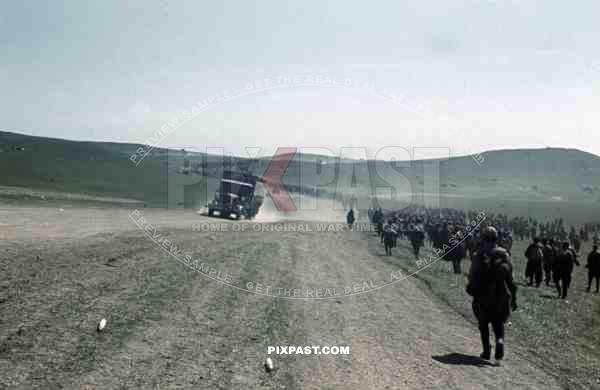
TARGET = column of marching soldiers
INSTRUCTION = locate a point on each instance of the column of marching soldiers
(488, 240)
(455, 234)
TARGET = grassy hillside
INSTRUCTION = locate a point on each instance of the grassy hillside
(543, 173)
(80, 167)
(91, 168)
(526, 182)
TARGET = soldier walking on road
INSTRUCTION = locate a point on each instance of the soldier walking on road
(563, 268)
(577, 243)
(456, 252)
(417, 239)
(548, 260)
(387, 238)
(593, 266)
(493, 290)
(535, 256)
(378, 219)
(507, 241)
(350, 219)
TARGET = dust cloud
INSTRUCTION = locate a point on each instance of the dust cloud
(307, 209)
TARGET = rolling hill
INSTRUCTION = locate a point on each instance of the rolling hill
(505, 179)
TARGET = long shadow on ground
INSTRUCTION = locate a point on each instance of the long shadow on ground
(459, 359)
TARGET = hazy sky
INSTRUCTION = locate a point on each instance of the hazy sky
(467, 75)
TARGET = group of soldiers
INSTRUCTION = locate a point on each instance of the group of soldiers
(554, 261)
(488, 240)
(456, 234)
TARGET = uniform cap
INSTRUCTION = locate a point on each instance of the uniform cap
(489, 234)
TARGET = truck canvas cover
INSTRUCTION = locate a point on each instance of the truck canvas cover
(237, 182)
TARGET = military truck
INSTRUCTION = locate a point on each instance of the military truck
(236, 197)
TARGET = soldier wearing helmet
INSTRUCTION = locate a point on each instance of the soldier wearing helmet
(593, 266)
(493, 290)
(417, 239)
(535, 257)
(563, 268)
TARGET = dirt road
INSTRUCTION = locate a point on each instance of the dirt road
(170, 326)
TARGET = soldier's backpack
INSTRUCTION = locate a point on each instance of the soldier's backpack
(549, 254)
(493, 292)
(534, 253)
(418, 237)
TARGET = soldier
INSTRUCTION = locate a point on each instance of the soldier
(440, 236)
(508, 242)
(456, 252)
(533, 231)
(387, 238)
(470, 244)
(379, 221)
(535, 256)
(395, 231)
(577, 243)
(522, 231)
(350, 219)
(563, 268)
(493, 290)
(543, 230)
(548, 259)
(404, 228)
(444, 235)
(593, 266)
(562, 233)
(417, 239)
(572, 234)
(430, 230)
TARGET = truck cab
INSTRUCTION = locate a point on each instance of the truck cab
(236, 197)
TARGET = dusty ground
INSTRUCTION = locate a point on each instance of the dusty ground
(172, 327)
(22, 194)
